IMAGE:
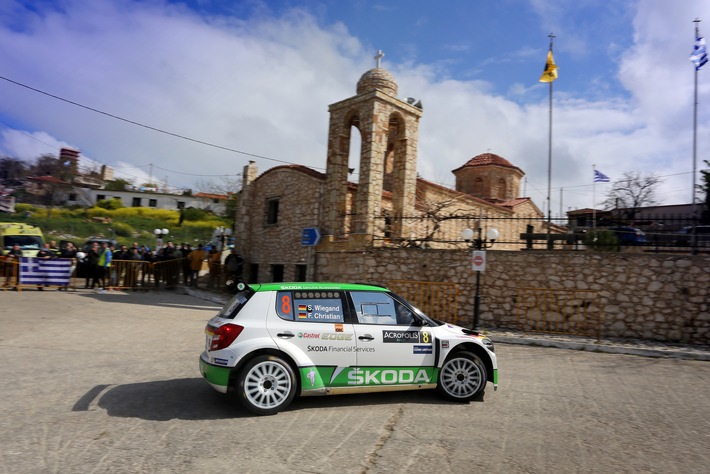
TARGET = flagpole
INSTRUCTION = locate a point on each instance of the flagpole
(594, 199)
(549, 166)
(695, 142)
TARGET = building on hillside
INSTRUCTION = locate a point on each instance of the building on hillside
(216, 203)
(389, 205)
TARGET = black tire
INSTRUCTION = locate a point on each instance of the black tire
(266, 385)
(462, 377)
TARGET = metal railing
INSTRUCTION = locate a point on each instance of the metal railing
(435, 299)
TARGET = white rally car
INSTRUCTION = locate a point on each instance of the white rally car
(276, 340)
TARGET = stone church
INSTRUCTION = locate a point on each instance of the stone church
(389, 206)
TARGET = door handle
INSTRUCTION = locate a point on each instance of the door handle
(366, 337)
(285, 335)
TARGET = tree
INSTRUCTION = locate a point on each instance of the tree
(229, 186)
(704, 187)
(12, 170)
(632, 191)
(50, 165)
(117, 185)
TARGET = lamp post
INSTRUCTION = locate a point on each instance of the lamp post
(479, 263)
(159, 233)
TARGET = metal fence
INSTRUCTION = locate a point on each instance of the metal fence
(660, 234)
(436, 299)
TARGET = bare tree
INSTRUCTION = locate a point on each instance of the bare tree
(704, 188)
(632, 191)
(226, 185)
(12, 170)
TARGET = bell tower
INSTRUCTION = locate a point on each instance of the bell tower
(389, 130)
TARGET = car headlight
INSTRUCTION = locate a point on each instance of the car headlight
(488, 343)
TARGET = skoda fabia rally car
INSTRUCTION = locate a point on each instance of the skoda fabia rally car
(274, 341)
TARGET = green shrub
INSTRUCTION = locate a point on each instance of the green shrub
(110, 204)
(122, 229)
(601, 240)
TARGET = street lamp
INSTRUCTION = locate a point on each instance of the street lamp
(479, 262)
(159, 233)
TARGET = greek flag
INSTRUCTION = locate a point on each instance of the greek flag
(699, 56)
(600, 177)
(40, 271)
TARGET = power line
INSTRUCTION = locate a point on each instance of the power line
(155, 129)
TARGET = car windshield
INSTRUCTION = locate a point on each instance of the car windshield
(427, 321)
(26, 242)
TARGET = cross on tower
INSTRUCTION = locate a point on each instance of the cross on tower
(379, 56)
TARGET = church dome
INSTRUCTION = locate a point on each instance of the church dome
(487, 159)
(377, 79)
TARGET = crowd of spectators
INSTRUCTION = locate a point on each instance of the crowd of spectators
(106, 266)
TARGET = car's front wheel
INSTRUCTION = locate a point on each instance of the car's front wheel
(266, 385)
(462, 377)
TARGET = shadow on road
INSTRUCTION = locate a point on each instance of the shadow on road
(185, 399)
(193, 399)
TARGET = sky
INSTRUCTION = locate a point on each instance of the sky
(187, 92)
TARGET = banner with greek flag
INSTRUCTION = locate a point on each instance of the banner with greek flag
(41, 271)
(699, 56)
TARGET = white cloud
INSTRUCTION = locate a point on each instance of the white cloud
(263, 87)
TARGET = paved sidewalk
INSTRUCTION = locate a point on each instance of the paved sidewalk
(612, 346)
(502, 336)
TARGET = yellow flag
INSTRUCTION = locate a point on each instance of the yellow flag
(550, 72)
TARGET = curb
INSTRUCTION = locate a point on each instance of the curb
(674, 353)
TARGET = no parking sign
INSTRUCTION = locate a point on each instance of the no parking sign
(478, 261)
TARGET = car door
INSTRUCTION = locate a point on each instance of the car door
(310, 325)
(391, 350)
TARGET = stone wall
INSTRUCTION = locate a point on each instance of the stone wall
(646, 296)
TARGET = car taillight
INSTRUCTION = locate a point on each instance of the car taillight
(223, 336)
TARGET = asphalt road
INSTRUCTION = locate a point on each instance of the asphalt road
(109, 383)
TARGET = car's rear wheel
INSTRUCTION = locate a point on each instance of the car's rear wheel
(266, 385)
(462, 377)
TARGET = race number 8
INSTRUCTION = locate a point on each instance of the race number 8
(286, 304)
(425, 337)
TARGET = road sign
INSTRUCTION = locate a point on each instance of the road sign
(478, 261)
(310, 236)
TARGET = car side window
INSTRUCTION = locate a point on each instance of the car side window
(380, 308)
(310, 306)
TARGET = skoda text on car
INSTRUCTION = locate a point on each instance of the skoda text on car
(274, 341)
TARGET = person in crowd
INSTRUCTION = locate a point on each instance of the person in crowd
(104, 263)
(175, 267)
(167, 251)
(149, 258)
(196, 258)
(118, 265)
(186, 249)
(235, 265)
(12, 261)
(45, 253)
(92, 260)
(133, 267)
(69, 251)
(121, 253)
(214, 259)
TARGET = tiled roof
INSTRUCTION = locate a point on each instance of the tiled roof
(211, 196)
(487, 159)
